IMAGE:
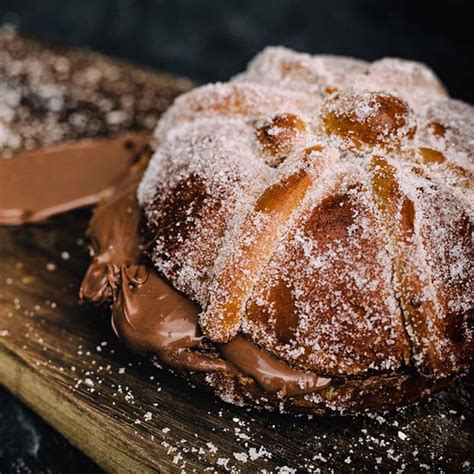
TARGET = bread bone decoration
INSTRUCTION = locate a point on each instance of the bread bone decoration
(301, 239)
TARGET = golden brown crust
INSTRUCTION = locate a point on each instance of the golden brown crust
(281, 135)
(253, 243)
(334, 311)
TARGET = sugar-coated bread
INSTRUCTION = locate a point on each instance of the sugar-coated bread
(322, 207)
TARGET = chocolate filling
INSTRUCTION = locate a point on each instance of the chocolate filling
(150, 316)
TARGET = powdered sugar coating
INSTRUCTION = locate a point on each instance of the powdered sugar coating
(300, 72)
(411, 81)
(370, 271)
(203, 193)
(448, 126)
(249, 101)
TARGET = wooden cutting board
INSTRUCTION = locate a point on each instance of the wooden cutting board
(62, 359)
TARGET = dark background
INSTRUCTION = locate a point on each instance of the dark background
(212, 40)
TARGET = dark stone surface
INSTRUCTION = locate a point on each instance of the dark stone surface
(29, 445)
(211, 40)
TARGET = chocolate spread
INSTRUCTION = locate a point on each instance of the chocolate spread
(114, 239)
(271, 374)
(41, 183)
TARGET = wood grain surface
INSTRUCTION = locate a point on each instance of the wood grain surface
(62, 359)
